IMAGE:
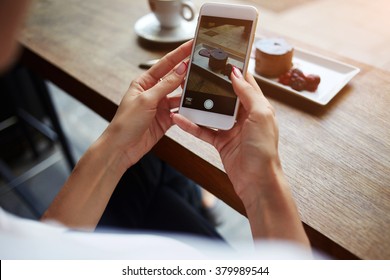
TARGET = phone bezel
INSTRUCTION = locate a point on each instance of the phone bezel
(211, 119)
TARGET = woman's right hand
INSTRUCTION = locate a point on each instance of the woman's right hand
(249, 153)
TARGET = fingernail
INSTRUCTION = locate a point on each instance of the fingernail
(237, 72)
(182, 68)
(171, 114)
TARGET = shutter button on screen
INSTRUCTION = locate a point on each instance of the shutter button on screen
(208, 104)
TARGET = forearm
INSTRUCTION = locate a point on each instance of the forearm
(84, 197)
(272, 212)
(142, 118)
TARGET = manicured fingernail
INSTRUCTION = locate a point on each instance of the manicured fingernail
(237, 72)
(182, 68)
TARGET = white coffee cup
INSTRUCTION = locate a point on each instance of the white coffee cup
(171, 12)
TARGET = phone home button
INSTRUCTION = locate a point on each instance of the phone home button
(208, 104)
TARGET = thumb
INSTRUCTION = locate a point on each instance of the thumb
(244, 90)
(170, 82)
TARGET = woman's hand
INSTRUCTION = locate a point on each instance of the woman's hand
(141, 120)
(143, 116)
(249, 151)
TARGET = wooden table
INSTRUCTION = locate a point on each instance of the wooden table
(337, 157)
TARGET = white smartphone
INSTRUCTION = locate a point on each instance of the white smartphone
(223, 38)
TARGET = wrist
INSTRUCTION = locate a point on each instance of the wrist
(271, 209)
(108, 149)
(267, 184)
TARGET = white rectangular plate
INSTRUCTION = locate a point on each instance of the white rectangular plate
(334, 75)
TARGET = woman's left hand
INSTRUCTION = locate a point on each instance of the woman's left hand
(143, 116)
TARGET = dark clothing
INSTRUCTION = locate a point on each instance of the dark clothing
(153, 196)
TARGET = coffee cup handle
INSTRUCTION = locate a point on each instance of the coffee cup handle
(190, 7)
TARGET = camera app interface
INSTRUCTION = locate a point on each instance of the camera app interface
(221, 44)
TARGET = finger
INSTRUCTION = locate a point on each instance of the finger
(250, 79)
(242, 113)
(202, 133)
(174, 102)
(183, 83)
(249, 94)
(170, 82)
(253, 82)
(165, 64)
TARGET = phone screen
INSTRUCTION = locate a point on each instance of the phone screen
(220, 44)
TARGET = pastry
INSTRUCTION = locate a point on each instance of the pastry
(273, 57)
(217, 59)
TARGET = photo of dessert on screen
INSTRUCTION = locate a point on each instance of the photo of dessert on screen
(221, 44)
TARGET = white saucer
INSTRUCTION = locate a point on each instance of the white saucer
(148, 27)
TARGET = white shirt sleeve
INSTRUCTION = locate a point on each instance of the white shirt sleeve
(27, 239)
